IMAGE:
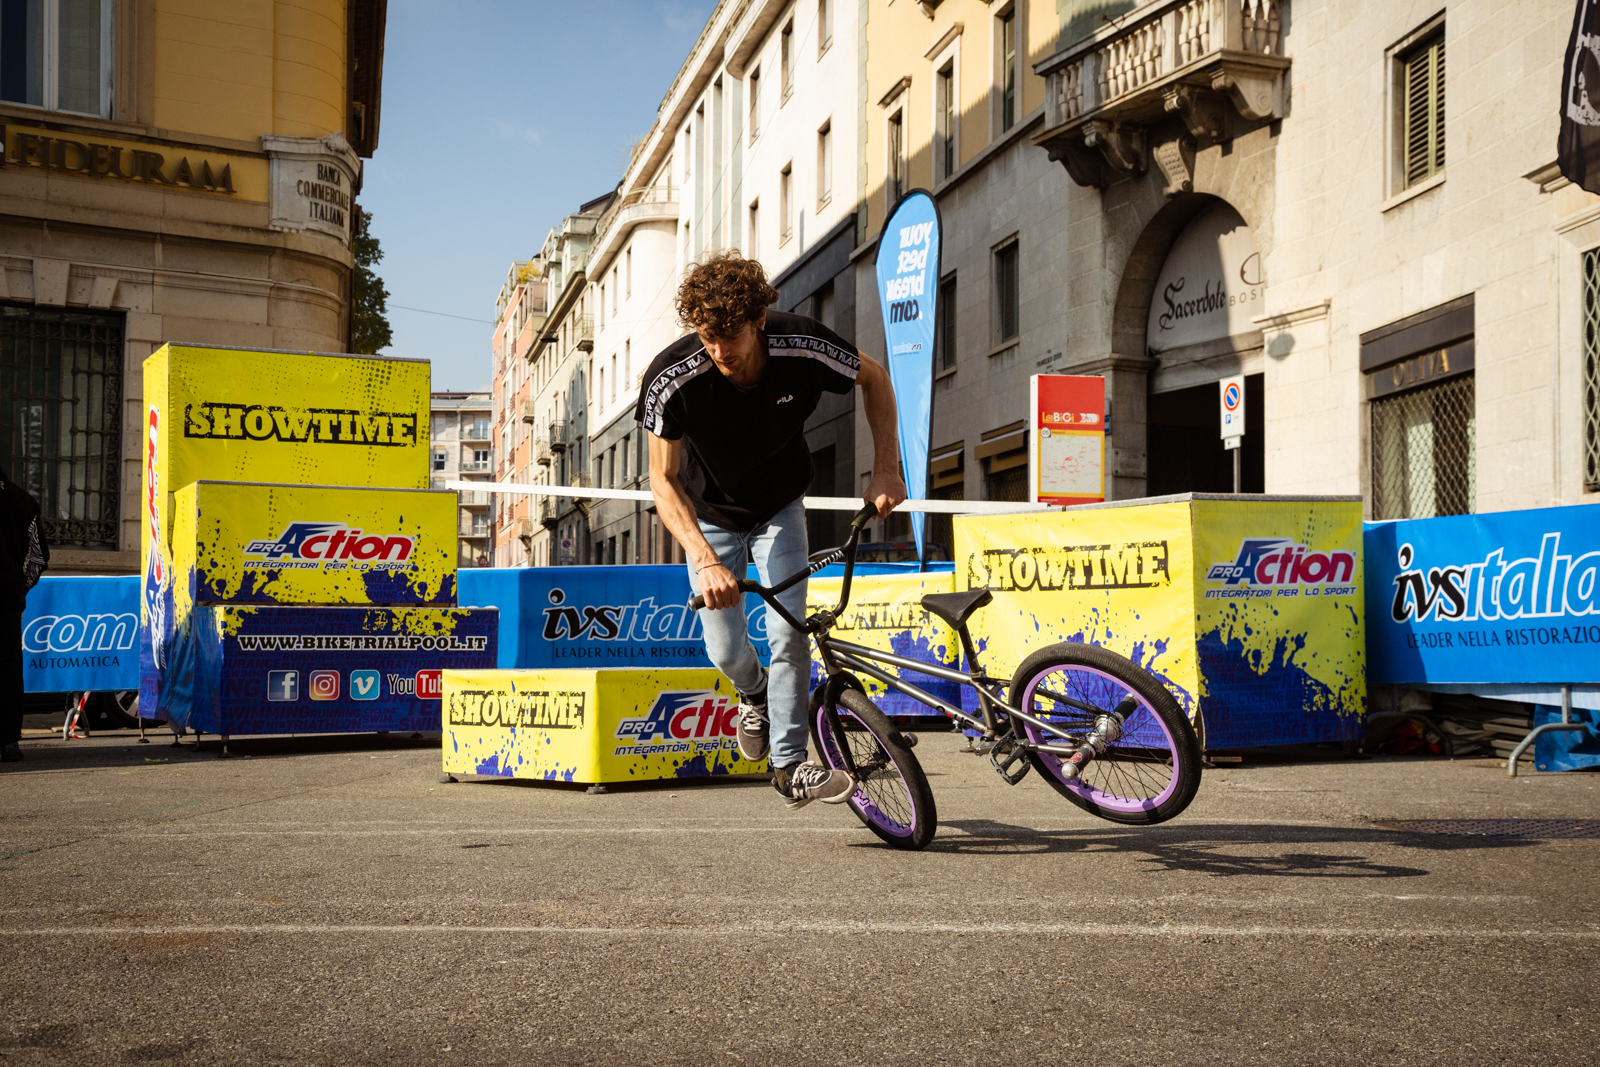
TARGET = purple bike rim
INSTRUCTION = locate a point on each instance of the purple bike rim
(860, 800)
(1109, 801)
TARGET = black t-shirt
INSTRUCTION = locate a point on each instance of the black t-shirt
(745, 456)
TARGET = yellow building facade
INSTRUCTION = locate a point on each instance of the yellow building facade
(172, 170)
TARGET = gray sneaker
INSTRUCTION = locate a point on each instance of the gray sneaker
(753, 730)
(802, 783)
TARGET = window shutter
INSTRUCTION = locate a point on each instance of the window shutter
(1424, 113)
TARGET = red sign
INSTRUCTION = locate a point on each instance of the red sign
(1067, 457)
(430, 685)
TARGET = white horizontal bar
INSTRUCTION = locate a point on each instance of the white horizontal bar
(815, 503)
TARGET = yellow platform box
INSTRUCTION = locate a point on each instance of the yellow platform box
(608, 725)
(253, 543)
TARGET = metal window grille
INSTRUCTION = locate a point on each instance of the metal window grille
(1006, 290)
(1423, 138)
(1424, 455)
(1591, 370)
(947, 323)
(1009, 485)
(61, 404)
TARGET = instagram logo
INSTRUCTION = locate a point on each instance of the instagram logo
(324, 685)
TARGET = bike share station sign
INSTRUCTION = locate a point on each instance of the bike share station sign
(1504, 605)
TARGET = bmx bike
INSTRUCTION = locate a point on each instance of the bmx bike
(1100, 730)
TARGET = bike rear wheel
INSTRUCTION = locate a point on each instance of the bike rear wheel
(1149, 774)
(892, 795)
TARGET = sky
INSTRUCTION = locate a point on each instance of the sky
(499, 118)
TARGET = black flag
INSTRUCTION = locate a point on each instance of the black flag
(1578, 150)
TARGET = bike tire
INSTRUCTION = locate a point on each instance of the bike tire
(892, 797)
(1149, 775)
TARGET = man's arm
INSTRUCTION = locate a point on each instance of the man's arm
(887, 489)
(717, 583)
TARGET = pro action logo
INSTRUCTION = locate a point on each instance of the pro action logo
(679, 718)
(330, 544)
(1263, 563)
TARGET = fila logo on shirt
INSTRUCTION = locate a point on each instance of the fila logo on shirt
(785, 399)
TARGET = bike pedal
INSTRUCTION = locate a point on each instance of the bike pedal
(1006, 754)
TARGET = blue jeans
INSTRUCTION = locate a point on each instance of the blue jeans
(778, 549)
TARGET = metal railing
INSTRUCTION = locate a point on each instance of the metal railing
(529, 411)
(475, 466)
(583, 332)
(558, 437)
(652, 194)
(1129, 55)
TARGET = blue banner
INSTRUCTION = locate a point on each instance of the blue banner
(607, 616)
(1509, 597)
(319, 670)
(81, 633)
(908, 292)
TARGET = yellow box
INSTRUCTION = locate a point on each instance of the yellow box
(886, 613)
(1248, 609)
(254, 543)
(609, 725)
(252, 415)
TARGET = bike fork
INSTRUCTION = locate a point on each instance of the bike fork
(1107, 728)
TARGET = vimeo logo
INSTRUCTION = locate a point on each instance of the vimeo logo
(364, 685)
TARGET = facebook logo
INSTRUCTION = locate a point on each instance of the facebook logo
(283, 685)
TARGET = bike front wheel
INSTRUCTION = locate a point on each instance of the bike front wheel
(892, 795)
(1149, 774)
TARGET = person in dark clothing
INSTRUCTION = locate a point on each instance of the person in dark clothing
(24, 554)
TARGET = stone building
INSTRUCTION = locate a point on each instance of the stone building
(462, 449)
(172, 171)
(519, 322)
(1191, 189)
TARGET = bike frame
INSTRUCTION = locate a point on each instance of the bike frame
(839, 656)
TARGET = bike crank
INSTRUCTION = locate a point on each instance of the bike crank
(1107, 728)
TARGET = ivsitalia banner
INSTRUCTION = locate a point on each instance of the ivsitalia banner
(908, 291)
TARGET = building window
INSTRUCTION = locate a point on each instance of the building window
(1421, 119)
(1004, 454)
(56, 54)
(61, 412)
(1008, 70)
(613, 379)
(785, 204)
(755, 104)
(440, 457)
(627, 361)
(824, 26)
(896, 144)
(627, 277)
(755, 229)
(947, 323)
(786, 62)
(1591, 371)
(946, 90)
(687, 255)
(1424, 456)
(480, 459)
(825, 164)
(1008, 316)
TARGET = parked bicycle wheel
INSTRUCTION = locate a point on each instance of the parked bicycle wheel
(1150, 773)
(892, 795)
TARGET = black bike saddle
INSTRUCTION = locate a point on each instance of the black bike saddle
(957, 608)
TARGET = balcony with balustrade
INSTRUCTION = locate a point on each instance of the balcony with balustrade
(1214, 64)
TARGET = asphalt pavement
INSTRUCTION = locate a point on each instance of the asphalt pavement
(331, 901)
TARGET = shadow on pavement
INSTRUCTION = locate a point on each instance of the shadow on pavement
(1220, 849)
(121, 748)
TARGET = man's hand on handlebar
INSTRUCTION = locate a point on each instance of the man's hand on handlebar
(719, 587)
(886, 491)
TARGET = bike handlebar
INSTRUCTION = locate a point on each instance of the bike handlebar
(845, 552)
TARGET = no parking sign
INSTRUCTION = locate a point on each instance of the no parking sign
(1232, 410)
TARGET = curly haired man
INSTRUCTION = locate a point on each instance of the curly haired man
(726, 407)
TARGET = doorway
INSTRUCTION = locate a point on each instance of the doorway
(1185, 451)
